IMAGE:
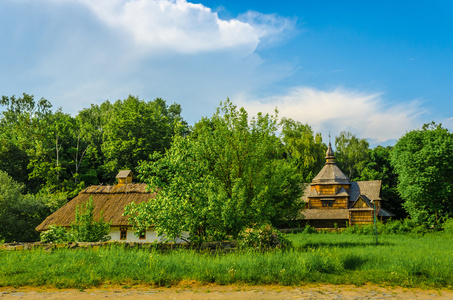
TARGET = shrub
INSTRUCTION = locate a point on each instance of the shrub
(448, 226)
(85, 228)
(264, 237)
(309, 230)
(363, 229)
(56, 234)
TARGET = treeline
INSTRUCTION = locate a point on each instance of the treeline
(48, 156)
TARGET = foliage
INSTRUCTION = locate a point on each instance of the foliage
(21, 122)
(423, 160)
(447, 226)
(303, 148)
(356, 229)
(351, 154)
(263, 237)
(225, 176)
(56, 234)
(19, 213)
(309, 230)
(379, 168)
(136, 128)
(85, 228)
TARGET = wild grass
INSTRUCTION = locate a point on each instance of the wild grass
(409, 261)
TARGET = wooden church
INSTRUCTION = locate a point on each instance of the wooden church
(333, 201)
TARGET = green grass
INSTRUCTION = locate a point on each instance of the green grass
(409, 261)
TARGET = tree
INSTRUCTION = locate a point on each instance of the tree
(135, 129)
(20, 125)
(19, 214)
(379, 168)
(351, 154)
(85, 228)
(303, 148)
(423, 160)
(225, 176)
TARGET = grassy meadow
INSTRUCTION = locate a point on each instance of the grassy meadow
(402, 260)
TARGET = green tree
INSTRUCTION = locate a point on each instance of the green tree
(225, 176)
(135, 129)
(85, 228)
(19, 213)
(379, 167)
(423, 160)
(51, 159)
(303, 148)
(20, 124)
(351, 154)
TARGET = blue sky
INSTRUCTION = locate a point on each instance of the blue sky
(375, 68)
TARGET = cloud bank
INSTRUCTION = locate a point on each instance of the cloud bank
(79, 52)
(365, 114)
(184, 27)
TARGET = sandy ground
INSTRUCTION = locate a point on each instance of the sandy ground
(194, 291)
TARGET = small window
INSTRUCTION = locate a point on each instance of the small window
(327, 203)
(123, 233)
(142, 235)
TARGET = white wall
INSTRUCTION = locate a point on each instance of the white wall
(151, 236)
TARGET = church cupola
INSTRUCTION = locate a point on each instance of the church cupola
(330, 156)
(330, 173)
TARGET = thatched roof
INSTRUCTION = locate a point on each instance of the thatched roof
(108, 199)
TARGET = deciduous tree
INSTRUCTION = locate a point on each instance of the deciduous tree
(351, 154)
(303, 148)
(423, 160)
(225, 176)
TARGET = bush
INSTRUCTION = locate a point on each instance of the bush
(56, 234)
(264, 237)
(363, 229)
(309, 230)
(403, 227)
(448, 226)
(85, 228)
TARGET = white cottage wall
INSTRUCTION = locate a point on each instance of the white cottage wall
(151, 236)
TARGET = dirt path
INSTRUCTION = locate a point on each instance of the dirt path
(191, 291)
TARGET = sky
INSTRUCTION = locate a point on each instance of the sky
(375, 68)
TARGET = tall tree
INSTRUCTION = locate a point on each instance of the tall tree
(379, 168)
(223, 177)
(135, 129)
(21, 123)
(19, 213)
(351, 154)
(423, 160)
(51, 158)
(303, 148)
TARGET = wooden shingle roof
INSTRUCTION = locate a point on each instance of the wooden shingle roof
(326, 214)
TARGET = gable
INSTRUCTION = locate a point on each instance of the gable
(361, 203)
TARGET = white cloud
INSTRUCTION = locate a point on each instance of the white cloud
(184, 27)
(270, 28)
(365, 114)
(78, 52)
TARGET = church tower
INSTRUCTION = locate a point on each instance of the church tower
(330, 188)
